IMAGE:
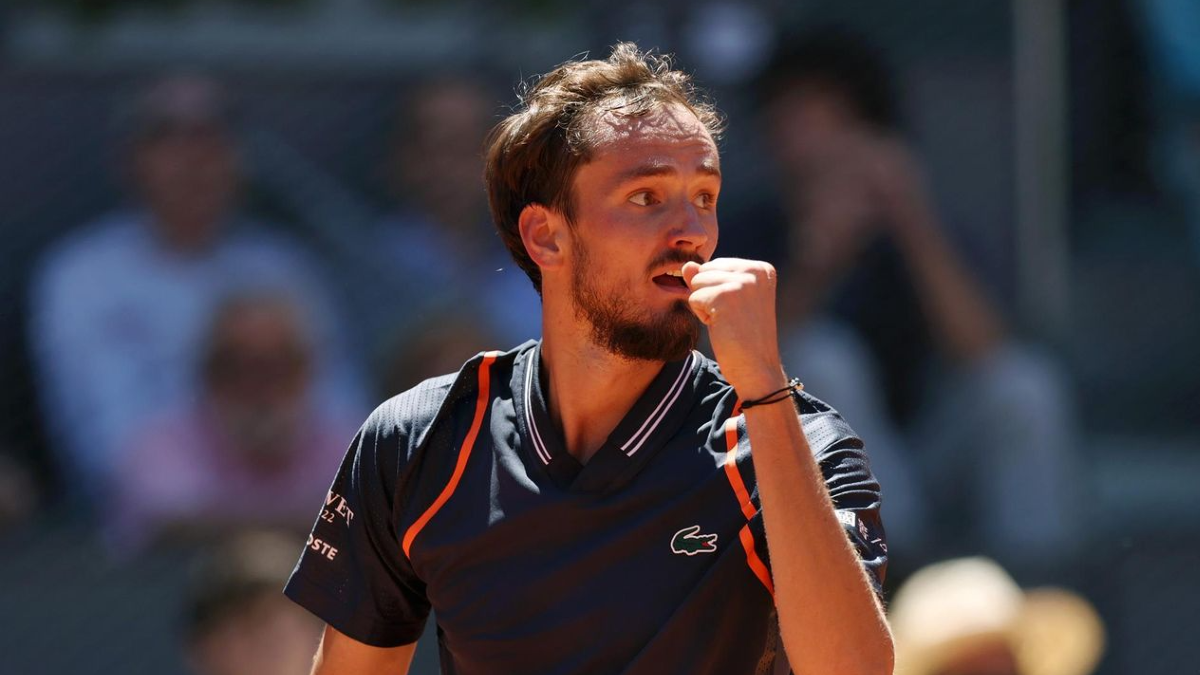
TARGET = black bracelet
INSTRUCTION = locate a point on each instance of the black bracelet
(795, 386)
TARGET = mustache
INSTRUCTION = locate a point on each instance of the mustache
(674, 256)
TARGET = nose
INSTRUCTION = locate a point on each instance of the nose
(692, 231)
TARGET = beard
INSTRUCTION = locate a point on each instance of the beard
(623, 328)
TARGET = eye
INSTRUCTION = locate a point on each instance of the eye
(705, 200)
(643, 198)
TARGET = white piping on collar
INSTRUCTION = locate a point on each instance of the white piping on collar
(660, 412)
(538, 445)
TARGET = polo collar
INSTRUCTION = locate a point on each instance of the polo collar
(654, 417)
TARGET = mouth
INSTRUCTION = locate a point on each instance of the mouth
(671, 281)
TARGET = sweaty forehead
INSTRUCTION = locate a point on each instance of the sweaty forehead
(670, 124)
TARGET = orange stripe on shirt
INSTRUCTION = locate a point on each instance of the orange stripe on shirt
(739, 490)
(752, 559)
(731, 470)
(464, 453)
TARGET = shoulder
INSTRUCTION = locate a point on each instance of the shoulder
(266, 243)
(413, 413)
(167, 435)
(824, 428)
(100, 243)
(266, 257)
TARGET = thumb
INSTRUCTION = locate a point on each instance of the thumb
(690, 270)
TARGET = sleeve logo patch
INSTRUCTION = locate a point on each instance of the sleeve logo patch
(336, 508)
(322, 548)
(851, 521)
(689, 541)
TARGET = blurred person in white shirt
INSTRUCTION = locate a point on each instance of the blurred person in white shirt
(253, 449)
(119, 307)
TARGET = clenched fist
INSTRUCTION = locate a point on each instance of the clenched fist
(735, 298)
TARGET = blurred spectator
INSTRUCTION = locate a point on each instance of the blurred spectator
(253, 450)
(968, 617)
(440, 240)
(969, 431)
(237, 621)
(1171, 27)
(119, 308)
(440, 345)
(19, 495)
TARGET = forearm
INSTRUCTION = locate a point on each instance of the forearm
(830, 619)
(962, 318)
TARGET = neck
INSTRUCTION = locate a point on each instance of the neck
(183, 235)
(591, 390)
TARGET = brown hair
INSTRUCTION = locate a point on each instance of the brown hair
(533, 154)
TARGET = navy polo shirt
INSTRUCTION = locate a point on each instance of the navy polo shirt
(459, 495)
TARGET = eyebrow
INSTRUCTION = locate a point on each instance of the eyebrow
(654, 169)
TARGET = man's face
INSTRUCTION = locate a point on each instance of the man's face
(438, 159)
(807, 122)
(644, 205)
(258, 375)
(189, 179)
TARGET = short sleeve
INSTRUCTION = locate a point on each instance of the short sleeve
(352, 572)
(855, 492)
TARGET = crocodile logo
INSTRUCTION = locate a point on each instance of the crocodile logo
(689, 541)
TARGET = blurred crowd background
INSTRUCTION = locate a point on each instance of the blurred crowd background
(228, 229)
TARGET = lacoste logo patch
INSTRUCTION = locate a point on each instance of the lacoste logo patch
(689, 541)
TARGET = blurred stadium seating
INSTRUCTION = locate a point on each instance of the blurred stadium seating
(316, 101)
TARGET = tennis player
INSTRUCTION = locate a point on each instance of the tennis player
(607, 499)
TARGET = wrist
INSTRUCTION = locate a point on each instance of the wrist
(785, 393)
(761, 385)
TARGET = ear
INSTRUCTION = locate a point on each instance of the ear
(542, 232)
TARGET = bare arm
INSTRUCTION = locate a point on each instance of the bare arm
(830, 620)
(868, 182)
(829, 617)
(961, 317)
(339, 654)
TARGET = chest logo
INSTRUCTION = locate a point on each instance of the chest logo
(689, 541)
